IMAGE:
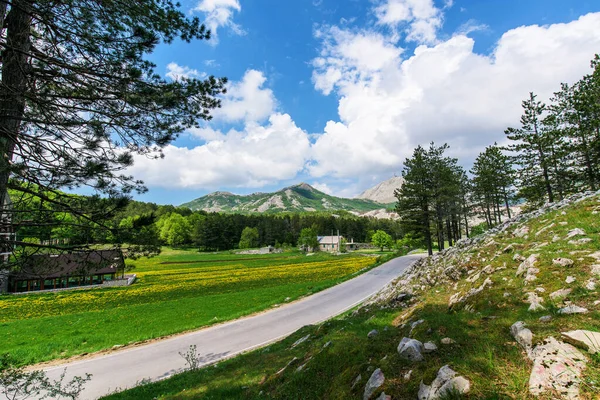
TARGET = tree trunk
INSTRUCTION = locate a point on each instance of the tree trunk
(14, 85)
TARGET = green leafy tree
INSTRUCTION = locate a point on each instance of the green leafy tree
(174, 229)
(308, 239)
(381, 239)
(78, 98)
(249, 238)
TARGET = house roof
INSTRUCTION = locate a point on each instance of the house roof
(329, 239)
(50, 266)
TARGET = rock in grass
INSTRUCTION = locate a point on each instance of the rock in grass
(579, 241)
(522, 231)
(411, 349)
(429, 347)
(559, 294)
(356, 381)
(375, 381)
(522, 335)
(445, 382)
(573, 310)
(575, 232)
(590, 285)
(570, 279)
(563, 262)
(372, 334)
(545, 318)
(447, 341)
(587, 340)
(556, 370)
(527, 264)
(384, 396)
(301, 340)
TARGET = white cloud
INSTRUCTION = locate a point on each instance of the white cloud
(256, 156)
(444, 93)
(176, 72)
(420, 19)
(219, 13)
(323, 187)
(247, 100)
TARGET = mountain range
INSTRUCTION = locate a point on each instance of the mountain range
(301, 198)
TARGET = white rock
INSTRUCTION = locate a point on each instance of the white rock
(573, 310)
(411, 349)
(522, 335)
(544, 229)
(374, 382)
(545, 318)
(540, 290)
(407, 375)
(528, 263)
(518, 257)
(506, 294)
(535, 302)
(570, 279)
(445, 382)
(522, 231)
(563, 262)
(587, 340)
(579, 241)
(555, 238)
(301, 340)
(560, 293)
(448, 340)
(575, 232)
(429, 347)
(372, 333)
(563, 223)
(590, 285)
(556, 370)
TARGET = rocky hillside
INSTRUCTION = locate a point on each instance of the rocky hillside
(511, 314)
(297, 198)
(383, 192)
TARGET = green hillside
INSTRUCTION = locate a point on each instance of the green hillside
(297, 198)
(541, 269)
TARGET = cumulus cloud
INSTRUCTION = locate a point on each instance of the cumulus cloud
(247, 100)
(445, 92)
(219, 13)
(252, 157)
(177, 72)
(419, 19)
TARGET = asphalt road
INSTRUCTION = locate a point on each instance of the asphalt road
(161, 359)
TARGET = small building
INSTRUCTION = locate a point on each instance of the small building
(330, 243)
(67, 270)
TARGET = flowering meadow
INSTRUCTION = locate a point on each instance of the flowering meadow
(176, 291)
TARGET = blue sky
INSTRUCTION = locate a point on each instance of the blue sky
(338, 93)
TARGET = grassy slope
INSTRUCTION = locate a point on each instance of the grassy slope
(484, 351)
(191, 291)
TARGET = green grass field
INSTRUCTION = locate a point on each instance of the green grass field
(338, 351)
(177, 291)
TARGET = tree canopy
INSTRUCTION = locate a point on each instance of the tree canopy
(78, 98)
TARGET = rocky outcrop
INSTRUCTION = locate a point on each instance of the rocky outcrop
(587, 340)
(411, 349)
(447, 381)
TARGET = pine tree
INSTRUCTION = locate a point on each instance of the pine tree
(78, 99)
(531, 152)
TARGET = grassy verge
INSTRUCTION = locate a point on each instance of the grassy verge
(338, 351)
(177, 291)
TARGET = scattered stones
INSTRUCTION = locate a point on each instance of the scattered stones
(557, 368)
(407, 376)
(522, 231)
(457, 298)
(522, 335)
(372, 334)
(509, 248)
(356, 381)
(444, 383)
(575, 232)
(415, 324)
(563, 262)
(545, 318)
(448, 341)
(528, 263)
(301, 340)
(535, 302)
(544, 229)
(590, 285)
(518, 257)
(587, 340)
(374, 382)
(562, 293)
(573, 310)
(570, 279)
(411, 349)
(579, 241)
(429, 347)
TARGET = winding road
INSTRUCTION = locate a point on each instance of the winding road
(161, 359)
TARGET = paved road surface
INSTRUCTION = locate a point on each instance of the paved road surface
(161, 359)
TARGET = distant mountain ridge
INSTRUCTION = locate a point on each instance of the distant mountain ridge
(296, 198)
(384, 191)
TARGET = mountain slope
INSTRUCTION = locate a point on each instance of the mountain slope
(383, 192)
(538, 268)
(298, 198)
